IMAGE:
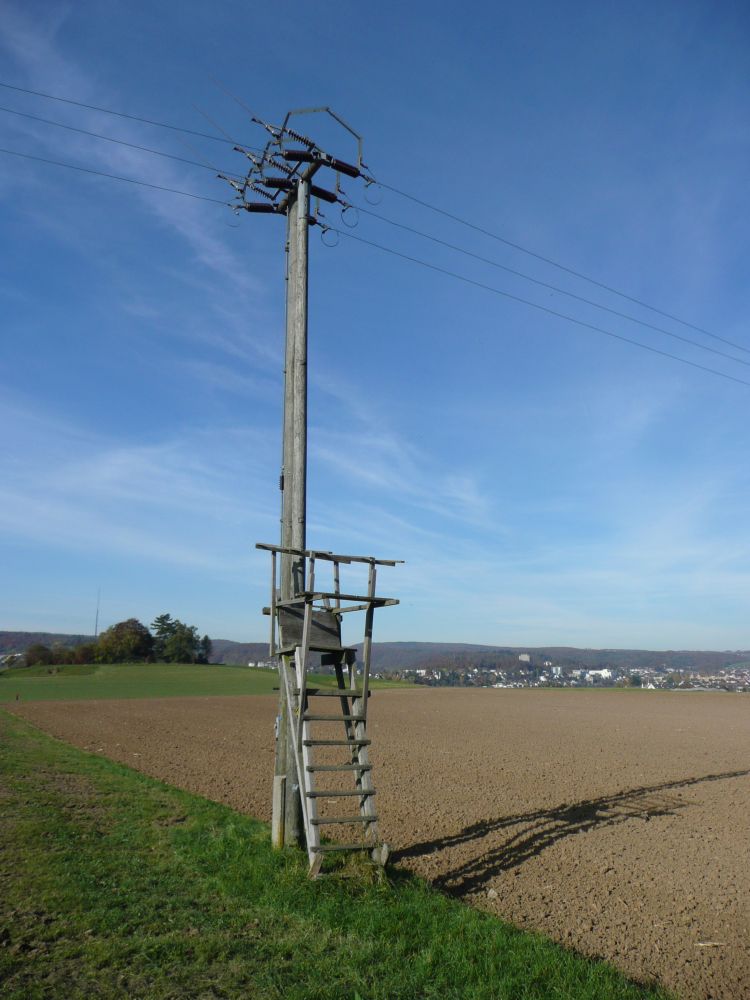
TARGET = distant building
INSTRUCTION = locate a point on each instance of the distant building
(605, 674)
(524, 657)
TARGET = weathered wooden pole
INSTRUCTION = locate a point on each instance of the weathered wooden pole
(287, 829)
(300, 225)
(282, 177)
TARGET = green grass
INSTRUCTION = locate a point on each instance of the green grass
(141, 680)
(42, 670)
(116, 885)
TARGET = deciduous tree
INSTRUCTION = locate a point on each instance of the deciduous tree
(128, 640)
(38, 654)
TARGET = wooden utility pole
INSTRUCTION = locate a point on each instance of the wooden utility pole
(293, 485)
(281, 176)
(296, 428)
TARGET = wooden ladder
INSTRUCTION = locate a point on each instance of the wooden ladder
(309, 623)
(316, 733)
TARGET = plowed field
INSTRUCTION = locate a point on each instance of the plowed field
(617, 823)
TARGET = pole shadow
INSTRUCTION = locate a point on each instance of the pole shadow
(542, 828)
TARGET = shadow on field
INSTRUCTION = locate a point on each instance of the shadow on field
(545, 827)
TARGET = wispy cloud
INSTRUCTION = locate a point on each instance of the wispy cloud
(386, 464)
(183, 501)
(238, 295)
(69, 525)
(225, 379)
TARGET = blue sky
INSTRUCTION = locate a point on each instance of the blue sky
(544, 483)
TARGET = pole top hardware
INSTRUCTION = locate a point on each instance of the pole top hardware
(276, 173)
(285, 130)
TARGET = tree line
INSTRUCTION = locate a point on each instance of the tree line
(167, 641)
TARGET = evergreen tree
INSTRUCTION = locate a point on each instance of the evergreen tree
(163, 628)
(176, 642)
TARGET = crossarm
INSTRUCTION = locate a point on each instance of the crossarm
(309, 597)
(330, 556)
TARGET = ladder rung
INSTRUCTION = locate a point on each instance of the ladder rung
(339, 767)
(307, 717)
(332, 692)
(344, 847)
(339, 795)
(336, 743)
(325, 821)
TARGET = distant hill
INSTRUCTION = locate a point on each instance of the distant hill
(417, 655)
(392, 656)
(18, 642)
(458, 656)
(226, 651)
(666, 659)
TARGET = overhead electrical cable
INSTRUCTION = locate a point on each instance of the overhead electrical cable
(416, 232)
(550, 261)
(413, 198)
(109, 138)
(115, 177)
(555, 288)
(537, 305)
(402, 256)
(123, 114)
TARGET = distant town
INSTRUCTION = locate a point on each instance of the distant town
(547, 673)
(530, 672)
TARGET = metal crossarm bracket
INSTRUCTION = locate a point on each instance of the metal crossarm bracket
(295, 166)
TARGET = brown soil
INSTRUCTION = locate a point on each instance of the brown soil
(617, 823)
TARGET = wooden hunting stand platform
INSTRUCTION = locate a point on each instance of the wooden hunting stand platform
(308, 623)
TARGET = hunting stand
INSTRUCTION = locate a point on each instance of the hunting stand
(308, 624)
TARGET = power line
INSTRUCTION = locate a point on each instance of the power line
(122, 114)
(536, 305)
(113, 177)
(548, 260)
(416, 200)
(403, 256)
(415, 260)
(561, 291)
(108, 138)
(423, 235)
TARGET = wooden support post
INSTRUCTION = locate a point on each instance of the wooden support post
(272, 642)
(277, 813)
(367, 643)
(301, 663)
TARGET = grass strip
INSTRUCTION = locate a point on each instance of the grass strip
(80, 682)
(113, 884)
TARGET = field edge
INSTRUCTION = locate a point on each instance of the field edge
(97, 856)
